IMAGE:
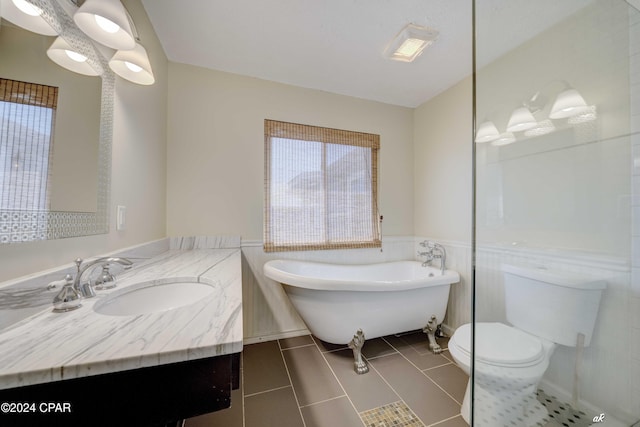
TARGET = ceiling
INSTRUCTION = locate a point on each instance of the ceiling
(336, 45)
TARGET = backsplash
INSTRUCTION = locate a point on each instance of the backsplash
(204, 242)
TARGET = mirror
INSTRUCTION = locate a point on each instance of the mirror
(77, 188)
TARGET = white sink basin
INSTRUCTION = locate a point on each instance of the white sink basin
(153, 298)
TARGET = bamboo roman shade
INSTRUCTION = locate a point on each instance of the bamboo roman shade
(27, 117)
(26, 93)
(320, 188)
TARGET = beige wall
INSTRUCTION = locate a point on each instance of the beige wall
(443, 165)
(216, 148)
(138, 171)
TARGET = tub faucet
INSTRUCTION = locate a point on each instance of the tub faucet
(434, 250)
(86, 290)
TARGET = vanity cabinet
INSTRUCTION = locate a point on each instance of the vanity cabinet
(153, 396)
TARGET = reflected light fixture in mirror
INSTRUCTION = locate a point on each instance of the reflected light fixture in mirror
(487, 132)
(64, 55)
(26, 15)
(107, 22)
(568, 103)
(521, 119)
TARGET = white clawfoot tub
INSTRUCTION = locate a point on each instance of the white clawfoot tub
(336, 300)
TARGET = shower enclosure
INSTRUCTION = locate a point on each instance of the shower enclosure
(557, 184)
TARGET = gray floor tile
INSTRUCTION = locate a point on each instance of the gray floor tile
(311, 377)
(332, 413)
(417, 339)
(424, 398)
(419, 342)
(263, 367)
(327, 346)
(366, 391)
(276, 408)
(424, 359)
(454, 422)
(376, 347)
(447, 356)
(230, 417)
(296, 341)
(451, 378)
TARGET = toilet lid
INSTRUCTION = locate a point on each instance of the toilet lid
(499, 344)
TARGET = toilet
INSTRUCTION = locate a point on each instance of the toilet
(544, 309)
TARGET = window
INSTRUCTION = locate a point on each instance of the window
(27, 116)
(320, 188)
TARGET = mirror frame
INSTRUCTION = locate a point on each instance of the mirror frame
(26, 226)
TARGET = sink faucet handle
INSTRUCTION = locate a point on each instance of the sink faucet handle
(68, 298)
(106, 280)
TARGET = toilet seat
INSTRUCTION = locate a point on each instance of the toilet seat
(498, 344)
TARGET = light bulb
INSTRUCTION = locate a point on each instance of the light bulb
(75, 56)
(410, 47)
(107, 25)
(133, 67)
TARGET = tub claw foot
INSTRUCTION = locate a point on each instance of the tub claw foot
(356, 344)
(430, 330)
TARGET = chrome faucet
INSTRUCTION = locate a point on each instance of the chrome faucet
(73, 291)
(86, 289)
(434, 250)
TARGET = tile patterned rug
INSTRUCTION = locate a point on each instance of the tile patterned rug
(395, 414)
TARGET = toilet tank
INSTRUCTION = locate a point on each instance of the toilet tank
(553, 305)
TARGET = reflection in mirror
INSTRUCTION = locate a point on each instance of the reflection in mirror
(55, 154)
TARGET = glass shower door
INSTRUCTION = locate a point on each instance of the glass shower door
(557, 192)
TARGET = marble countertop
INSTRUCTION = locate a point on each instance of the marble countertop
(56, 346)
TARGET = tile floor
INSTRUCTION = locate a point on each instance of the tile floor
(307, 383)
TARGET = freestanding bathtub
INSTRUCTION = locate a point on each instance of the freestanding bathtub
(336, 300)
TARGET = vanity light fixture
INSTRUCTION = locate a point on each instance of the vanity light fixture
(64, 55)
(410, 42)
(133, 65)
(521, 119)
(568, 103)
(26, 15)
(487, 132)
(107, 22)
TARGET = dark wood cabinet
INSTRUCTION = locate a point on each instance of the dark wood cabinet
(153, 396)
